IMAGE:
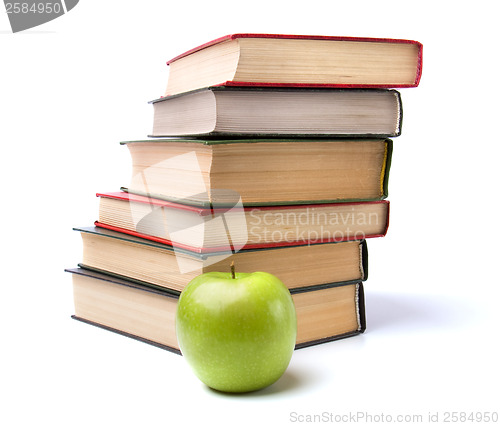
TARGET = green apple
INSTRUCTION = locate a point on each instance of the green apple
(236, 331)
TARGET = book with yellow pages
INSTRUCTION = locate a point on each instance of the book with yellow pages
(297, 61)
(324, 313)
(206, 230)
(166, 266)
(210, 173)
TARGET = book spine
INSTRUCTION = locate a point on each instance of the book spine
(386, 169)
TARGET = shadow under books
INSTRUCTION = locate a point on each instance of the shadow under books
(398, 311)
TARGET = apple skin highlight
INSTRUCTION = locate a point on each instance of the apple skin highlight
(237, 334)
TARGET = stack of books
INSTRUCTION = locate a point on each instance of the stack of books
(272, 151)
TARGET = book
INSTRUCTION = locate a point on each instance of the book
(206, 230)
(239, 111)
(210, 173)
(163, 266)
(297, 60)
(148, 314)
(134, 310)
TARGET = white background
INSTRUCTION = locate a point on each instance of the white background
(72, 89)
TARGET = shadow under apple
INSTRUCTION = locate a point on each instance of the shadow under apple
(292, 380)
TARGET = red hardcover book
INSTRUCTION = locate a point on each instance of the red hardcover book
(209, 230)
(297, 61)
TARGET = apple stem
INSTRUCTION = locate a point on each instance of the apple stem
(233, 275)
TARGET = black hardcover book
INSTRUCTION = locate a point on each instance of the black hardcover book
(147, 313)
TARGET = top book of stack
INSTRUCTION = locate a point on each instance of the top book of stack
(277, 60)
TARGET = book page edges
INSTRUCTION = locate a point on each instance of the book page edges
(129, 335)
(296, 36)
